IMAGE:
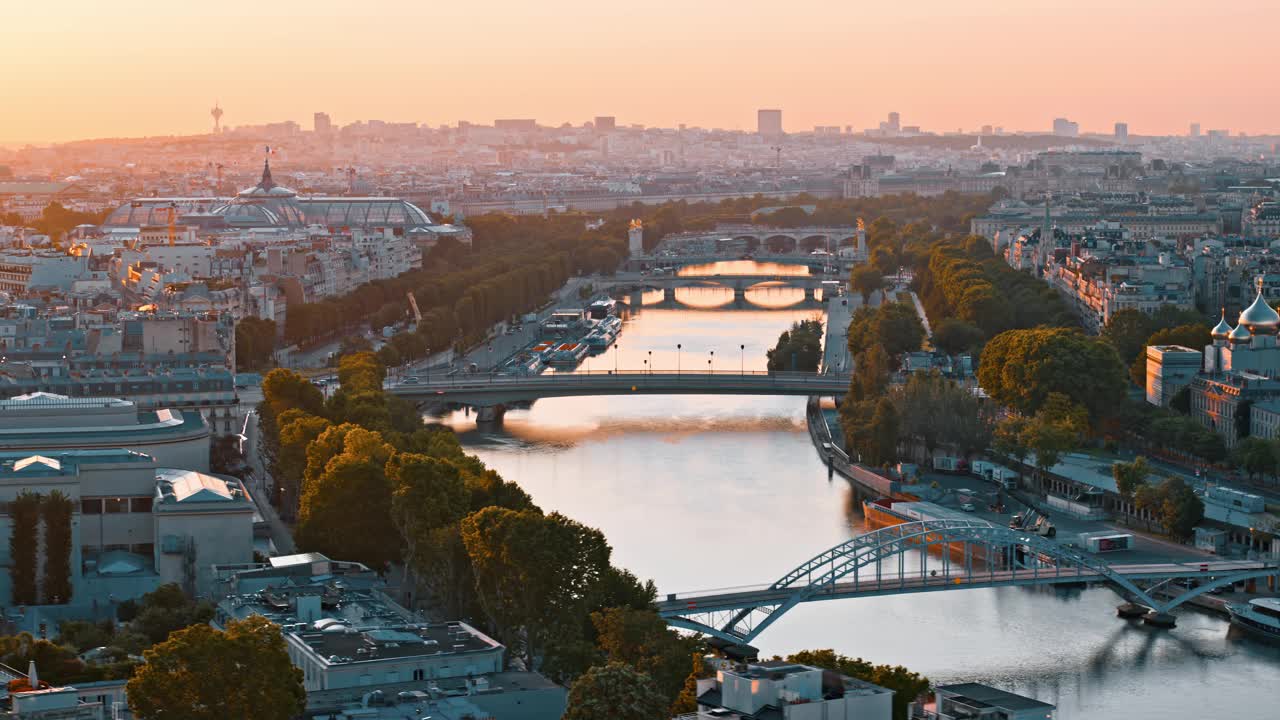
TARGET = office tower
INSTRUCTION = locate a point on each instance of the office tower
(1195, 129)
(321, 123)
(606, 123)
(769, 122)
(1122, 131)
(894, 122)
(1063, 127)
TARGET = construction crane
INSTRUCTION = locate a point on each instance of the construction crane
(173, 223)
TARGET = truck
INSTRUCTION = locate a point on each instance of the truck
(998, 474)
(947, 463)
(1105, 541)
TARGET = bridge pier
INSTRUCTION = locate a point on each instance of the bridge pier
(1131, 611)
(1159, 619)
(491, 414)
(636, 301)
(739, 295)
(810, 293)
(668, 294)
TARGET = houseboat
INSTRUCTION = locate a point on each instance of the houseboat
(1260, 616)
(568, 354)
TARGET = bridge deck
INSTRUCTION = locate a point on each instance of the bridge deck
(682, 604)
(498, 388)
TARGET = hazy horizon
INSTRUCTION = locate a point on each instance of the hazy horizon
(85, 70)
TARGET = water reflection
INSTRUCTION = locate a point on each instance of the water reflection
(700, 492)
(743, 267)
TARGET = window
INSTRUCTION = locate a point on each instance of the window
(115, 505)
(140, 505)
(91, 506)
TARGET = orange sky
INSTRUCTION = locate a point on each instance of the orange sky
(94, 68)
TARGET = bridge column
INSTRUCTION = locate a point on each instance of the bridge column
(669, 294)
(491, 414)
(1159, 619)
(739, 295)
(636, 301)
(810, 293)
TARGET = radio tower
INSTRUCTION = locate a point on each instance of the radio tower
(216, 112)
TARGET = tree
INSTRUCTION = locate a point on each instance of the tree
(167, 609)
(617, 692)
(935, 411)
(1127, 330)
(1256, 456)
(55, 508)
(893, 325)
(907, 686)
(429, 496)
(255, 343)
(297, 430)
(1130, 476)
(1021, 368)
(641, 639)
(866, 279)
(799, 348)
(24, 511)
(954, 336)
(1180, 509)
(535, 574)
(284, 390)
(346, 511)
(205, 674)
(871, 431)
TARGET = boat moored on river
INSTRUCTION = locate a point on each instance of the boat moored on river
(1260, 616)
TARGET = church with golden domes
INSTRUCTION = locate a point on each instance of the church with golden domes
(1237, 392)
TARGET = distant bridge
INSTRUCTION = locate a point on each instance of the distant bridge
(740, 284)
(496, 391)
(779, 240)
(738, 615)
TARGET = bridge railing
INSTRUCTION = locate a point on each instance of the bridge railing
(693, 376)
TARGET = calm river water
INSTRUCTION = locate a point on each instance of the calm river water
(702, 492)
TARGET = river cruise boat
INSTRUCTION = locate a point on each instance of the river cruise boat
(1260, 616)
(568, 354)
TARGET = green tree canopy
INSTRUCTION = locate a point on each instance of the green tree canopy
(954, 336)
(866, 279)
(205, 674)
(907, 686)
(1130, 476)
(1021, 368)
(615, 691)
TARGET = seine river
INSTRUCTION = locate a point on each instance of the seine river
(703, 492)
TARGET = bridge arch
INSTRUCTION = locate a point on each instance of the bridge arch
(742, 615)
(810, 243)
(780, 243)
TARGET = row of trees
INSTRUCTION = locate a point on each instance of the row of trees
(872, 421)
(516, 262)
(965, 281)
(1172, 503)
(31, 513)
(55, 220)
(799, 348)
(376, 486)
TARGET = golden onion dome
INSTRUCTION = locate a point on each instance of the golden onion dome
(1222, 329)
(1260, 317)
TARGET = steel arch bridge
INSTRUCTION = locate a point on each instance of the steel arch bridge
(1004, 557)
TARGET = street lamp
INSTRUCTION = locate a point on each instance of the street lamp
(677, 358)
(615, 358)
(650, 362)
(709, 359)
(742, 359)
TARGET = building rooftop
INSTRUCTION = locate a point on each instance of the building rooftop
(62, 462)
(986, 696)
(189, 487)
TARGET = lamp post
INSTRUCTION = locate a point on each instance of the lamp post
(742, 359)
(615, 358)
(709, 360)
(650, 362)
(677, 358)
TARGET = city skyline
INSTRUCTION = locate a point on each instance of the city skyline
(821, 64)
